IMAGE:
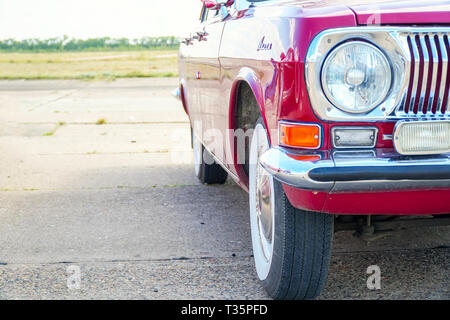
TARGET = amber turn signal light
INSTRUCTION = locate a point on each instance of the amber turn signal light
(298, 135)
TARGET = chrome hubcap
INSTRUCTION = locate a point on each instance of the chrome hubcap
(264, 200)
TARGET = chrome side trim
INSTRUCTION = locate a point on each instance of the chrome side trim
(297, 173)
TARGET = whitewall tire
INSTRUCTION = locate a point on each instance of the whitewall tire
(291, 247)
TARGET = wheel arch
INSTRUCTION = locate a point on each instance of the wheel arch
(249, 77)
(245, 82)
(183, 96)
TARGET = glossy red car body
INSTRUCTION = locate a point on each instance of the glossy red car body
(265, 47)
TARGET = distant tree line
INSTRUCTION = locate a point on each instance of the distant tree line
(97, 44)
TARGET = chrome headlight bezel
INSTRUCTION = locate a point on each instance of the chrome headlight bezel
(387, 81)
(387, 40)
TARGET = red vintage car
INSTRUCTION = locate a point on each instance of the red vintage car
(333, 115)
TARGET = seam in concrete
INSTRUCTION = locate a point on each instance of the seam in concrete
(59, 98)
(119, 187)
(122, 261)
(182, 258)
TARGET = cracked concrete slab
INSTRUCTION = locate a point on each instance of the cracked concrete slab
(122, 100)
(122, 224)
(82, 139)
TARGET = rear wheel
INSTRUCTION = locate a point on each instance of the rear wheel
(291, 247)
(206, 169)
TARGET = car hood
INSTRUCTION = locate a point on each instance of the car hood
(401, 12)
(389, 11)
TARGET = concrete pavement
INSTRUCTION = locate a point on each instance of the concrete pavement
(110, 200)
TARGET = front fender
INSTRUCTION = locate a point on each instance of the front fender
(248, 76)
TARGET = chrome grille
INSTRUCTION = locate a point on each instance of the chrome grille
(429, 71)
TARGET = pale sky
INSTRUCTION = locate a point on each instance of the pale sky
(22, 19)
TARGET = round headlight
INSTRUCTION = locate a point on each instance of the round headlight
(356, 77)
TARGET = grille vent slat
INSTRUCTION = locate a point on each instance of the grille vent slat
(429, 83)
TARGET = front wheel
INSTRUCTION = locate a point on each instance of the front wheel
(291, 247)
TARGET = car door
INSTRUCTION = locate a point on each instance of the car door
(202, 76)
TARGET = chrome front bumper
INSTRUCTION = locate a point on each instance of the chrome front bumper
(357, 171)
